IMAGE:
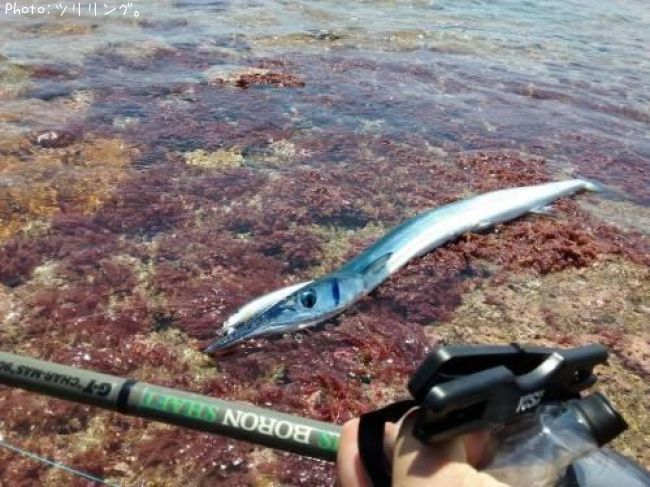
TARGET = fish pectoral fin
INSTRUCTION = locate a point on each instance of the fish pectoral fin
(377, 264)
(483, 225)
(544, 210)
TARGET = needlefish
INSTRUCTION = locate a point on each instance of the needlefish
(306, 304)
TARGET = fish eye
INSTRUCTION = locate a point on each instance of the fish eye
(308, 298)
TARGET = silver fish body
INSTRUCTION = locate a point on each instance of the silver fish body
(306, 304)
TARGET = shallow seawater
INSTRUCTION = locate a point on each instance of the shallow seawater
(165, 162)
(563, 80)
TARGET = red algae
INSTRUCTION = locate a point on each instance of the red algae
(294, 470)
(431, 289)
(63, 175)
(54, 71)
(202, 267)
(280, 80)
(20, 471)
(54, 416)
(17, 260)
(300, 248)
(489, 172)
(541, 246)
(213, 458)
(182, 249)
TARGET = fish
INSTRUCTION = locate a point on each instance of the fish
(309, 303)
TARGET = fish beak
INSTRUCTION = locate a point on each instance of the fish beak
(264, 323)
(225, 341)
(232, 336)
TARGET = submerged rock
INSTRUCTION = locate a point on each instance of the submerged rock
(219, 159)
(250, 76)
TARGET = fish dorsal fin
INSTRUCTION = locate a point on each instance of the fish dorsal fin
(376, 265)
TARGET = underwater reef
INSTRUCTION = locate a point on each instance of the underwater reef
(136, 225)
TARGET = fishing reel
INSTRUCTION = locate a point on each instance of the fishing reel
(466, 388)
(461, 389)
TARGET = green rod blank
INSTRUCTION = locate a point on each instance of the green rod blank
(232, 419)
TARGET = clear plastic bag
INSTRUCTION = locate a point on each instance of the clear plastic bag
(605, 468)
(560, 446)
(535, 451)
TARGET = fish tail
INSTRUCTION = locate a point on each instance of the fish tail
(593, 186)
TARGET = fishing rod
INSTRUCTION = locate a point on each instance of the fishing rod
(237, 420)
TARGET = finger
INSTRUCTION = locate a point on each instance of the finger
(416, 464)
(390, 437)
(478, 447)
(416, 460)
(348, 462)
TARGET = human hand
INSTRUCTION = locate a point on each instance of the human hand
(414, 464)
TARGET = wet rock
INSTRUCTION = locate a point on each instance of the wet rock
(133, 271)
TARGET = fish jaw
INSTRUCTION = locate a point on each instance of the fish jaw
(236, 335)
(309, 305)
(255, 327)
(259, 305)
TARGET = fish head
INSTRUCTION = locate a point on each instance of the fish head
(308, 306)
